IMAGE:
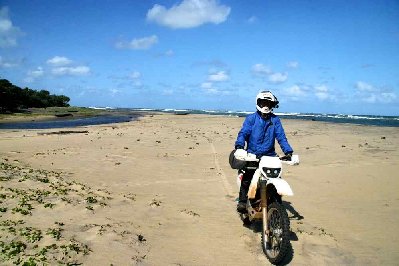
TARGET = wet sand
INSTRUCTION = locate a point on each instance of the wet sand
(159, 191)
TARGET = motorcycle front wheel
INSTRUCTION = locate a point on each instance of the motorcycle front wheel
(277, 246)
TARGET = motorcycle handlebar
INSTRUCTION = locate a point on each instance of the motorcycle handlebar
(291, 160)
(286, 158)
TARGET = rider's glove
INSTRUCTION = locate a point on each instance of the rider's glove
(240, 154)
(286, 157)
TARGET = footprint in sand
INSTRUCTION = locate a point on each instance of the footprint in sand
(155, 203)
(189, 213)
(130, 196)
(93, 231)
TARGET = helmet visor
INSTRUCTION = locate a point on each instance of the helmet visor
(265, 103)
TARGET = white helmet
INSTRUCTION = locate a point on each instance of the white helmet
(265, 102)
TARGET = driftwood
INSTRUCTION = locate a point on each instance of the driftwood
(63, 132)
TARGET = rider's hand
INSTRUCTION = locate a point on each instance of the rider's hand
(286, 157)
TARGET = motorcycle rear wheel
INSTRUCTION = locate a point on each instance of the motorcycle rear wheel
(278, 244)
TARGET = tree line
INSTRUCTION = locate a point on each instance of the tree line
(14, 98)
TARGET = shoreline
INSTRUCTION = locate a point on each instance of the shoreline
(66, 119)
(65, 115)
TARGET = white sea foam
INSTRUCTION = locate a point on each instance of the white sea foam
(101, 108)
(287, 114)
(337, 118)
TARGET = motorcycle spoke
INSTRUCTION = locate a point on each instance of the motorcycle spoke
(275, 233)
(276, 245)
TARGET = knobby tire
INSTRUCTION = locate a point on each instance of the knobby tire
(277, 220)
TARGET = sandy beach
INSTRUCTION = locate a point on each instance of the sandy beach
(160, 191)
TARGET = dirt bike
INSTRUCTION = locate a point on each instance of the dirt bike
(265, 203)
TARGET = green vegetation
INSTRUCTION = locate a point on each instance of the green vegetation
(14, 98)
(33, 113)
(81, 111)
(26, 192)
(31, 234)
(54, 232)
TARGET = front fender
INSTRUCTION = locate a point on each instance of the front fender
(282, 187)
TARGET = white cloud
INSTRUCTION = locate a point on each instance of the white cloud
(59, 61)
(388, 97)
(206, 85)
(252, 19)
(8, 32)
(135, 75)
(211, 63)
(189, 14)
(293, 64)
(371, 98)
(321, 88)
(113, 92)
(169, 53)
(265, 71)
(371, 94)
(322, 93)
(61, 66)
(72, 71)
(167, 92)
(6, 64)
(261, 70)
(138, 44)
(363, 86)
(137, 84)
(294, 92)
(219, 76)
(32, 75)
(36, 73)
(278, 77)
(209, 89)
(212, 91)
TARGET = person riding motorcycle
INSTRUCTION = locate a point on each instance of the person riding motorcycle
(259, 132)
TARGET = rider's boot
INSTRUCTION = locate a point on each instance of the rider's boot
(242, 197)
(242, 207)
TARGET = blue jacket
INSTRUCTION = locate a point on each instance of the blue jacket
(260, 134)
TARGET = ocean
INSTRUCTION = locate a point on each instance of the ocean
(369, 120)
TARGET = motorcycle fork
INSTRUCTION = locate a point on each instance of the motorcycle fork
(263, 204)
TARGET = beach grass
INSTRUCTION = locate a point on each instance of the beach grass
(26, 192)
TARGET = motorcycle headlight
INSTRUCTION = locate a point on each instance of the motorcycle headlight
(271, 172)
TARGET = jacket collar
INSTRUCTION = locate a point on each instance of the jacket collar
(265, 117)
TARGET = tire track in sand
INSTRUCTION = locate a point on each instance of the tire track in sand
(227, 187)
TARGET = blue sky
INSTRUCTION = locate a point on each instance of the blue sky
(315, 56)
